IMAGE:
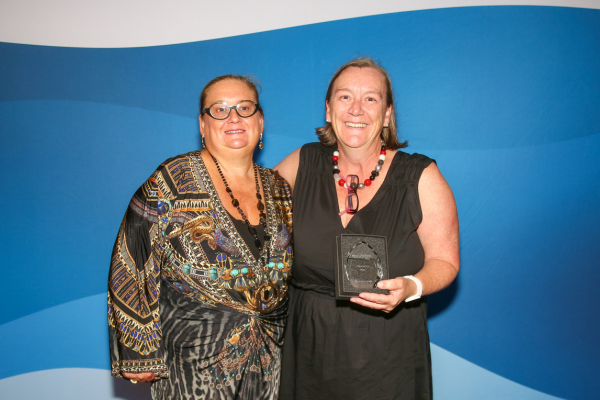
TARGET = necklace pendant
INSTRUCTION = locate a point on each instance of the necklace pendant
(252, 230)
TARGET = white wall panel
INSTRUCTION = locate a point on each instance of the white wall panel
(136, 23)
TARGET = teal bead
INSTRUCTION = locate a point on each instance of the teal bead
(213, 273)
(187, 268)
(271, 264)
(244, 270)
(280, 265)
(235, 272)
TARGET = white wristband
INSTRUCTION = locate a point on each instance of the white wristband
(419, 288)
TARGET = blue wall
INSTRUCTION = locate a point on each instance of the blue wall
(506, 99)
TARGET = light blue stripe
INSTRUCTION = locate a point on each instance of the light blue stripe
(455, 378)
(71, 384)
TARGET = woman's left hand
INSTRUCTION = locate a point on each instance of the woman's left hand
(400, 288)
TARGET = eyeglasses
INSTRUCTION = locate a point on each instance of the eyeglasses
(221, 110)
(352, 198)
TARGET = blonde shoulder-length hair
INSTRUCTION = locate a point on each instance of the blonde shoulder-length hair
(388, 134)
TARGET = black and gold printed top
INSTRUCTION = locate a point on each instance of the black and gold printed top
(189, 298)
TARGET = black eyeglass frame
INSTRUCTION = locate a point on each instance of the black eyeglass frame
(207, 110)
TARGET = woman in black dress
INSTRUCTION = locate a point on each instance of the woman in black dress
(374, 346)
(198, 282)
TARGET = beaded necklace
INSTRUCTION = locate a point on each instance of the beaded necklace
(374, 174)
(260, 206)
(262, 285)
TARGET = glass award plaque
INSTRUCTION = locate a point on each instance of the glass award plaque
(361, 262)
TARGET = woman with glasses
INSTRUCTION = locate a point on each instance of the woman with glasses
(198, 282)
(355, 181)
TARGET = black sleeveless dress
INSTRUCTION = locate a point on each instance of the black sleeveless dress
(336, 349)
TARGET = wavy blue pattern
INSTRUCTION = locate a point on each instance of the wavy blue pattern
(72, 368)
(524, 302)
(71, 335)
(505, 98)
(73, 167)
(474, 77)
(456, 379)
(71, 384)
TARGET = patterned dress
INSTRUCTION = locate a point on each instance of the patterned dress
(188, 299)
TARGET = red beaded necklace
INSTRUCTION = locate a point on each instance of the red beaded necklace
(375, 173)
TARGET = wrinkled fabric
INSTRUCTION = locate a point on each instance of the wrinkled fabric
(335, 349)
(182, 281)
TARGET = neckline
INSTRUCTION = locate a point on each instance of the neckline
(241, 221)
(226, 218)
(375, 196)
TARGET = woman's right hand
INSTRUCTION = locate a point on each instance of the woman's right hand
(141, 377)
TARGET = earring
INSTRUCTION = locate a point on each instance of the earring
(202, 141)
(260, 143)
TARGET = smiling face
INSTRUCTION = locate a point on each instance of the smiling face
(357, 108)
(233, 132)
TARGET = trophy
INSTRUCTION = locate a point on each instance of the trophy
(361, 262)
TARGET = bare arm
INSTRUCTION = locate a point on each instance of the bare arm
(288, 167)
(438, 233)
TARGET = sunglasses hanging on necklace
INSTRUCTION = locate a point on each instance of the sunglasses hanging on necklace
(352, 182)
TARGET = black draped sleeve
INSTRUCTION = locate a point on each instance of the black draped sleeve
(134, 283)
